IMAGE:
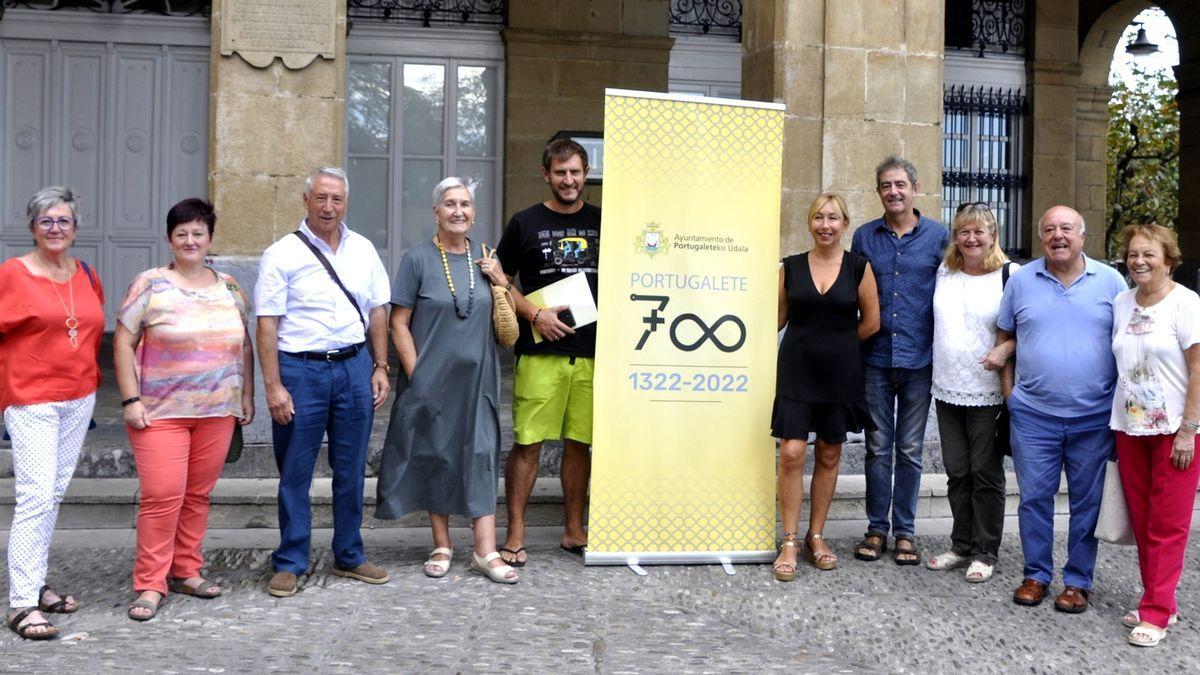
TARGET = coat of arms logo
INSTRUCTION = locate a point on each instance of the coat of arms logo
(652, 240)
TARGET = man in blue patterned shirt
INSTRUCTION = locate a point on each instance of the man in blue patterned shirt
(905, 249)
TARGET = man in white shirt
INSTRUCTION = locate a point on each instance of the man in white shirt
(318, 373)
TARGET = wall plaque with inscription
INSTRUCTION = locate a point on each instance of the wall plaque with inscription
(296, 31)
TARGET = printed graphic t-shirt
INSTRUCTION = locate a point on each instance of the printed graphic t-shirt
(540, 247)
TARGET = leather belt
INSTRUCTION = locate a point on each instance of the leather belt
(331, 355)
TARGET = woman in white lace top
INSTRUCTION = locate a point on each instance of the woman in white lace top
(970, 283)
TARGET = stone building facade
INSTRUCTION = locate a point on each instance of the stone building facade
(141, 109)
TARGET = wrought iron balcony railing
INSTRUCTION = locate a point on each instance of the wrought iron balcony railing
(430, 12)
(706, 17)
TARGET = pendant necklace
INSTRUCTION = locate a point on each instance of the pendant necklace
(450, 279)
(72, 322)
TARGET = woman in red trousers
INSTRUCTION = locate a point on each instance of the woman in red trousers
(1156, 413)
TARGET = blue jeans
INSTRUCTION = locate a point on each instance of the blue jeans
(334, 398)
(1043, 445)
(898, 399)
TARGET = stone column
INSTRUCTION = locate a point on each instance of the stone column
(1054, 74)
(862, 79)
(1187, 223)
(559, 58)
(1091, 163)
(270, 127)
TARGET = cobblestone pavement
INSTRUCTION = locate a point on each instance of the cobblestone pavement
(862, 617)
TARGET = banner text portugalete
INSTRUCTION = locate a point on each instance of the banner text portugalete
(691, 282)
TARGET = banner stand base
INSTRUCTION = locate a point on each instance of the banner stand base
(636, 560)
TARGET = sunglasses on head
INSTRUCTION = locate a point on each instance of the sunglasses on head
(978, 206)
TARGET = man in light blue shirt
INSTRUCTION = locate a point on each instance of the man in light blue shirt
(1060, 309)
(905, 249)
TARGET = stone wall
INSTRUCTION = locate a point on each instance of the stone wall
(861, 79)
(559, 58)
(270, 127)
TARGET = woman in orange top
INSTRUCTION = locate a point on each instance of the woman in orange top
(51, 320)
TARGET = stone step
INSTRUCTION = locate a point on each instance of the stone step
(113, 459)
(111, 503)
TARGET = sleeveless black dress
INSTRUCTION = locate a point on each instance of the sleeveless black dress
(819, 376)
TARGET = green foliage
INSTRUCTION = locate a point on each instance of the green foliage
(1143, 154)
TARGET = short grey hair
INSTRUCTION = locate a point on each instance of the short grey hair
(896, 162)
(331, 171)
(450, 183)
(49, 197)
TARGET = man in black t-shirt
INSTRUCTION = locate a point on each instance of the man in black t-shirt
(552, 386)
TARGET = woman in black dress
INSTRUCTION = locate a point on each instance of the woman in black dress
(829, 302)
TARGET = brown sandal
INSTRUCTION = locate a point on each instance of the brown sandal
(14, 624)
(871, 547)
(60, 606)
(907, 555)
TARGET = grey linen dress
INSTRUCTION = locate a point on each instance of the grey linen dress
(443, 439)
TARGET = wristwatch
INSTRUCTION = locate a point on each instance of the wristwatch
(1192, 427)
(386, 368)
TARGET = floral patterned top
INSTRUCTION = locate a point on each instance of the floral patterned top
(189, 359)
(1152, 373)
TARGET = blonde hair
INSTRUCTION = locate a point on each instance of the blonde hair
(968, 215)
(823, 199)
(1172, 254)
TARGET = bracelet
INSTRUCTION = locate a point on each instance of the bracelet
(386, 368)
(1190, 426)
(508, 286)
(129, 401)
(536, 315)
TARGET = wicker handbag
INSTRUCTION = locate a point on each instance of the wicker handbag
(504, 319)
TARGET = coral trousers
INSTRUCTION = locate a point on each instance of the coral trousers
(178, 463)
(1160, 499)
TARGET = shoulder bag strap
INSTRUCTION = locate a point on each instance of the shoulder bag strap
(1004, 274)
(87, 269)
(332, 274)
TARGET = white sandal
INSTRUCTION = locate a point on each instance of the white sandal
(979, 572)
(1132, 619)
(437, 569)
(1146, 636)
(498, 574)
(947, 561)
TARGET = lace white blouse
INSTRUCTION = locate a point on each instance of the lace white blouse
(964, 330)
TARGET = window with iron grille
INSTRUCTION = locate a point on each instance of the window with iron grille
(986, 26)
(981, 157)
(162, 7)
(429, 12)
(706, 17)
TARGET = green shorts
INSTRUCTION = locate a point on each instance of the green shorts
(552, 398)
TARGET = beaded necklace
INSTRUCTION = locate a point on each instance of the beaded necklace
(450, 279)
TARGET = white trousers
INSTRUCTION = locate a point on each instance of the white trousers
(46, 439)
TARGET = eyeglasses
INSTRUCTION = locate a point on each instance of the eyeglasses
(978, 206)
(47, 224)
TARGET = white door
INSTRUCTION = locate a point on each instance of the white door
(421, 104)
(117, 109)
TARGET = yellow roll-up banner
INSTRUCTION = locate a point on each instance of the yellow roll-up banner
(683, 463)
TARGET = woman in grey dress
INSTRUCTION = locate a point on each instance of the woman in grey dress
(443, 439)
